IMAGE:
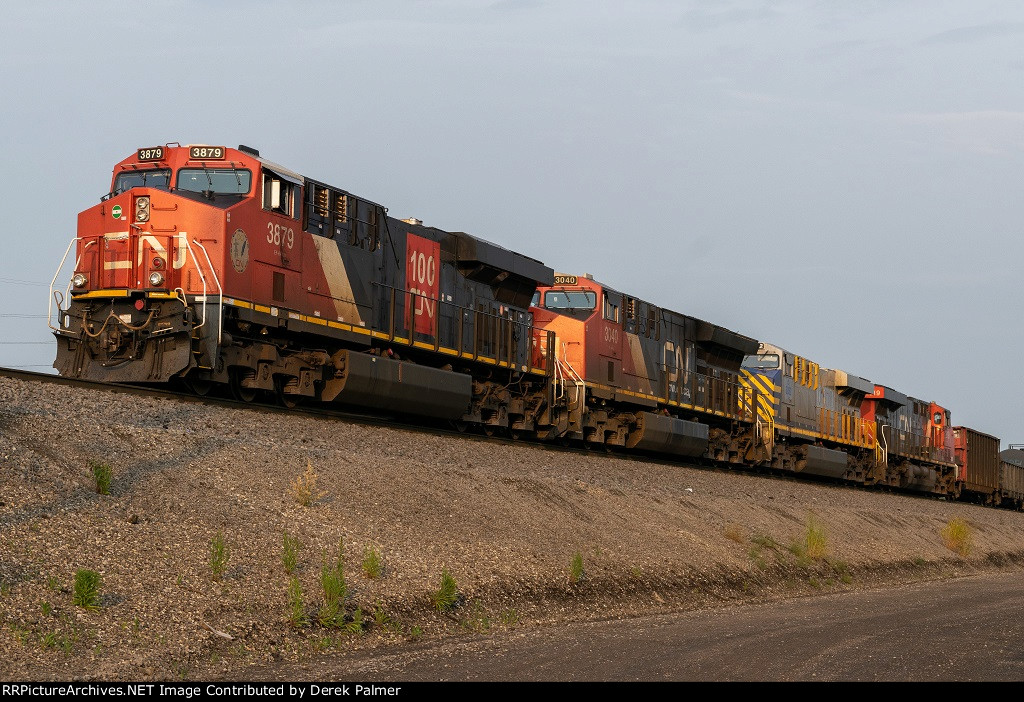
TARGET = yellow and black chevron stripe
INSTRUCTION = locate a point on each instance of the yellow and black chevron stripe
(764, 388)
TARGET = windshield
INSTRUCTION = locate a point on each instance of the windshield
(229, 181)
(570, 299)
(766, 361)
(151, 178)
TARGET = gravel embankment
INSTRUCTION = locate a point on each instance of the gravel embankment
(505, 520)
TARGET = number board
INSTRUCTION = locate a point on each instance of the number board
(154, 153)
(422, 258)
(208, 153)
(565, 280)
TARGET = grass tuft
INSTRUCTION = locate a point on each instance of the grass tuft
(296, 605)
(509, 618)
(815, 541)
(356, 625)
(381, 619)
(304, 487)
(477, 618)
(576, 568)
(957, 537)
(219, 555)
(446, 597)
(102, 474)
(372, 565)
(87, 589)
(289, 553)
(335, 590)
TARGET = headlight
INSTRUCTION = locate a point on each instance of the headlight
(142, 209)
(156, 279)
(79, 280)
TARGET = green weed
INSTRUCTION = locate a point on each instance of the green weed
(815, 541)
(219, 555)
(289, 553)
(371, 563)
(356, 625)
(576, 568)
(102, 474)
(296, 605)
(446, 597)
(509, 618)
(87, 589)
(477, 620)
(335, 590)
(380, 617)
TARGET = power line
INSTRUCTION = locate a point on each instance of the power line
(26, 342)
(23, 282)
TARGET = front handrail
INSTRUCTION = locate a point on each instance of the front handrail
(578, 381)
(53, 282)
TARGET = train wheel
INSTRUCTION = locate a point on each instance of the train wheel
(199, 386)
(284, 398)
(239, 391)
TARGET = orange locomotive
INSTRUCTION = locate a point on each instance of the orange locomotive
(214, 267)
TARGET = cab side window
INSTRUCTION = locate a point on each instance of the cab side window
(278, 194)
(611, 308)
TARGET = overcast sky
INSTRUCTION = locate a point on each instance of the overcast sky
(839, 178)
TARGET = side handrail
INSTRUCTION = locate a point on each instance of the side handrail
(201, 277)
(577, 380)
(53, 282)
(460, 311)
(220, 290)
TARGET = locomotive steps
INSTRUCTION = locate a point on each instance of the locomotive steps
(506, 521)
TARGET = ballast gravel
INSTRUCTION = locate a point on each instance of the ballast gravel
(506, 520)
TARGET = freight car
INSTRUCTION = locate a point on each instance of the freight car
(215, 269)
(1011, 477)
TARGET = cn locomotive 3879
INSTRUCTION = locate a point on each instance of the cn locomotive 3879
(214, 268)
